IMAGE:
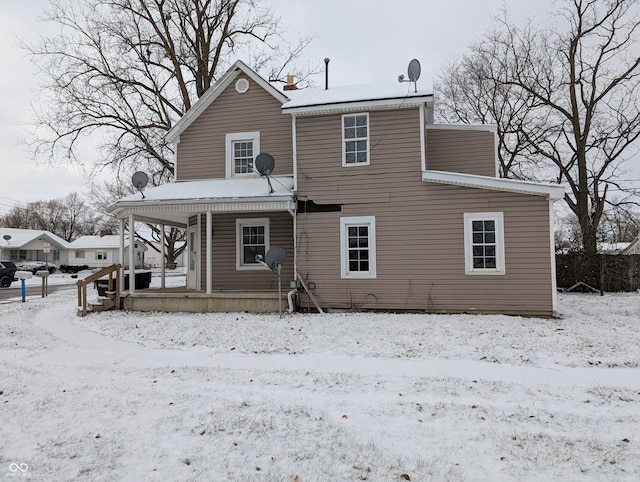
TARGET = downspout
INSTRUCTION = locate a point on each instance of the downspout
(292, 208)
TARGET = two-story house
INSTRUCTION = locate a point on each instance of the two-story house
(378, 207)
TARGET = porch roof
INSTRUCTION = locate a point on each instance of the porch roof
(174, 202)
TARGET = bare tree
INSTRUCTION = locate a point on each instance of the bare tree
(125, 71)
(579, 81)
(67, 217)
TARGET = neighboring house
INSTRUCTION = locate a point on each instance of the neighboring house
(154, 256)
(104, 250)
(22, 245)
(378, 207)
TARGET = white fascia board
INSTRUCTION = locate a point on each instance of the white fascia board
(550, 191)
(464, 127)
(212, 94)
(358, 106)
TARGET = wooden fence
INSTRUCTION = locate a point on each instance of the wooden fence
(605, 272)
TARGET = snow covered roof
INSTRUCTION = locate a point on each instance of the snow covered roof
(353, 97)
(22, 237)
(174, 202)
(109, 241)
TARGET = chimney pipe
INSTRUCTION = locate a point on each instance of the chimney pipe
(326, 73)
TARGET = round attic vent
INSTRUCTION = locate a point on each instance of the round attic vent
(242, 85)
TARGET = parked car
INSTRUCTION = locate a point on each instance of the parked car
(7, 273)
(34, 266)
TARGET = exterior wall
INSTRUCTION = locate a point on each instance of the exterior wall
(225, 274)
(419, 226)
(395, 154)
(420, 254)
(202, 148)
(113, 257)
(462, 151)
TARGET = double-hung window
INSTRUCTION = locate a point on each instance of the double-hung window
(252, 238)
(241, 150)
(484, 243)
(355, 139)
(358, 247)
(101, 255)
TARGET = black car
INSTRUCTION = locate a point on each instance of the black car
(7, 273)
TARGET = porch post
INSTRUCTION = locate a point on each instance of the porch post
(209, 255)
(121, 254)
(162, 255)
(132, 265)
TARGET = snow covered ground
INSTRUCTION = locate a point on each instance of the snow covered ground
(379, 397)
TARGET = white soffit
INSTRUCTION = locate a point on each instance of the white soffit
(550, 191)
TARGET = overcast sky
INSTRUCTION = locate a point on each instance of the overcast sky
(367, 41)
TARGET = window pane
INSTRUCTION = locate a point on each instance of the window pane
(361, 120)
(490, 237)
(489, 225)
(477, 238)
(490, 263)
(478, 251)
(478, 262)
(477, 226)
(361, 132)
(349, 121)
(490, 251)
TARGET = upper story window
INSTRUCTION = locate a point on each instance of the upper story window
(358, 247)
(241, 149)
(355, 139)
(484, 243)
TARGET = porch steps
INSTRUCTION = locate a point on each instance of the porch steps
(103, 303)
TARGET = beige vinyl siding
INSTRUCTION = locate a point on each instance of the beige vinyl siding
(420, 255)
(225, 275)
(462, 151)
(419, 225)
(202, 147)
(394, 152)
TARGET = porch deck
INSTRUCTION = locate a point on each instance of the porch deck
(180, 299)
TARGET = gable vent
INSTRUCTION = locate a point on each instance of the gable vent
(242, 85)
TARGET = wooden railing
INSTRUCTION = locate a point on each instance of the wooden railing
(113, 272)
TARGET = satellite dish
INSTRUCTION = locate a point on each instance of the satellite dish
(7, 237)
(275, 258)
(139, 181)
(264, 163)
(413, 72)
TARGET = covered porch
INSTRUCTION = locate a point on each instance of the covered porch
(222, 274)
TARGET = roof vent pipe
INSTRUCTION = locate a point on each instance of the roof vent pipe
(326, 73)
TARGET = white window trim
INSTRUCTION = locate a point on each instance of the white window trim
(239, 136)
(498, 217)
(344, 140)
(344, 245)
(101, 256)
(240, 223)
